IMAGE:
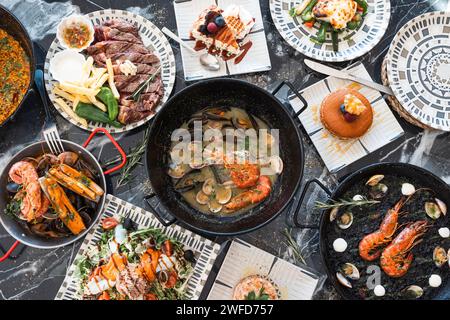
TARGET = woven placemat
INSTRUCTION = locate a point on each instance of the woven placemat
(396, 105)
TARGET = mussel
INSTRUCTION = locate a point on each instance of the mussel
(374, 180)
(189, 256)
(412, 292)
(68, 157)
(432, 210)
(440, 256)
(189, 181)
(345, 220)
(378, 191)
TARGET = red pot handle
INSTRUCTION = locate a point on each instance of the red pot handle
(8, 253)
(114, 142)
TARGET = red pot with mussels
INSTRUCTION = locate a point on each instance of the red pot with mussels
(49, 200)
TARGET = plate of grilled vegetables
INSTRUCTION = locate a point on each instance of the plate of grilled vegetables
(331, 30)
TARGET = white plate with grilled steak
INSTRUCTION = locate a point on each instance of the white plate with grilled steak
(127, 40)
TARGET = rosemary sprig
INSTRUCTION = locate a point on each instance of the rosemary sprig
(137, 94)
(133, 159)
(345, 203)
(291, 243)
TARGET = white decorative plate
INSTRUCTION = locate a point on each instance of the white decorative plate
(418, 68)
(204, 250)
(151, 36)
(352, 44)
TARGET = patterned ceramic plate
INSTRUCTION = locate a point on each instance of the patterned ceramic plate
(204, 250)
(352, 44)
(152, 38)
(418, 68)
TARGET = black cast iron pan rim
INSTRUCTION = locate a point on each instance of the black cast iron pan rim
(270, 95)
(32, 65)
(101, 203)
(342, 186)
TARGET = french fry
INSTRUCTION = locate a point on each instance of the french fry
(97, 103)
(112, 86)
(97, 73)
(70, 112)
(78, 90)
(58, 92)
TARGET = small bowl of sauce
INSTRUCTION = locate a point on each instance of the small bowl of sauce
(75, 32)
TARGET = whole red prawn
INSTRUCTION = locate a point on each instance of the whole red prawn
(397, 257)
(370, 246)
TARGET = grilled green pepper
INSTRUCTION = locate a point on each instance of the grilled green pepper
(307, 14)
(363, 4)
(92, 113)
(107, 97)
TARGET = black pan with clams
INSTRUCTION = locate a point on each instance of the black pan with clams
(384, 233)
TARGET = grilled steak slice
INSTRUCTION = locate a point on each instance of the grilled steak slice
(123, 26)
(129, 84)
(111, 47)
(104, 33)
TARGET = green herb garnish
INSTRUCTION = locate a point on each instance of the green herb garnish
(346, 203)
(13, 208)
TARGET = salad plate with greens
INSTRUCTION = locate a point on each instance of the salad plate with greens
(130, 256)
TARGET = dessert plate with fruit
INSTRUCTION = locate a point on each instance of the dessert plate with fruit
(345, 120)
(331, 30)
(232, 32)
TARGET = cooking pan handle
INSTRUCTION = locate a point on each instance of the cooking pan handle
(295, 91)
(8, 253)
(164, 222)
(114, 142)
(302, 198)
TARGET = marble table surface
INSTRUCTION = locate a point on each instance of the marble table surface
(37, 274)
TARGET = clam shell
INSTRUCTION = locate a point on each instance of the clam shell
(202, 198)
(223, 194)
(374, 180)
(333, 214)
(350, 271)
(413, 292)
(408, 189)
(441, 204)
(214, 206)
(345, 220)
(343, 280)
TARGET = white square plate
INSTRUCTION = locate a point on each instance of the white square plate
(243, 260)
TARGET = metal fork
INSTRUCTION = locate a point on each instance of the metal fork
(50, 132)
